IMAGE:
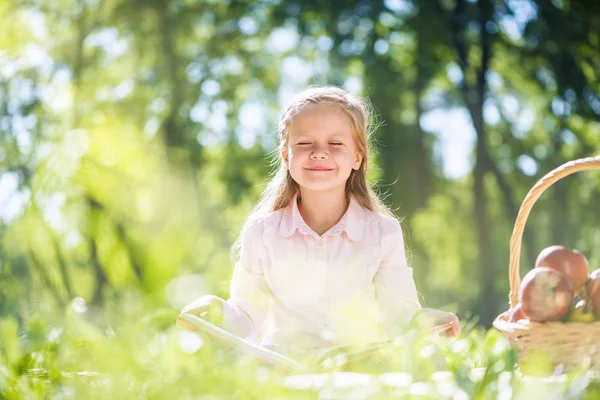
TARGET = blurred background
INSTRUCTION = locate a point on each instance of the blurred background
(136, 135)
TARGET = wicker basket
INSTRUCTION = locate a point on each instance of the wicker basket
(560, 345)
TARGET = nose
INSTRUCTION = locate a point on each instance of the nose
(319, 152)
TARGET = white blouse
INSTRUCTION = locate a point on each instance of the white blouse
(295, 289)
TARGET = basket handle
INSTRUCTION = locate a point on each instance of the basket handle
(534, 194)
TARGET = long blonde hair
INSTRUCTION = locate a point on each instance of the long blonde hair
(282, 188)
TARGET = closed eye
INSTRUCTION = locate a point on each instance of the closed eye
(336, 143)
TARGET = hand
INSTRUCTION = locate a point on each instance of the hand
(434, 320)
(209, 308)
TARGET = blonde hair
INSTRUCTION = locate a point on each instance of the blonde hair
(282, 188)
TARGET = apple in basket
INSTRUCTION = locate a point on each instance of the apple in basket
(572, 263)
(545, 294)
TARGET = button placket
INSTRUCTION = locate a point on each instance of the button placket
(321, 260)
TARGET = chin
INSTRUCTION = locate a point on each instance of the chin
(320, 186)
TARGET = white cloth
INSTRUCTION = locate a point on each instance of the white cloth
(295, 288)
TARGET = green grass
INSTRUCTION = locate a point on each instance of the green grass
(133, 350)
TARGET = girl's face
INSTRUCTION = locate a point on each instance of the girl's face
(321, 151)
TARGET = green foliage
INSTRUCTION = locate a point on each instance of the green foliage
(131, 349)
(135, 136)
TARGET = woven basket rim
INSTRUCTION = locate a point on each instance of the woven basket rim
(530, 199)
(528, 327)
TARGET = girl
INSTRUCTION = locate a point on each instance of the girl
(322, 260)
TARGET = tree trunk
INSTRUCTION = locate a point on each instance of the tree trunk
(422, 174)
(559, 203)
(172, 138)
(485, 256)
(474, 97)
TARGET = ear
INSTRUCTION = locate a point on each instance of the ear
(284, 153)
(357, 160)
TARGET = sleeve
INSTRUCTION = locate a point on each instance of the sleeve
(250, 296)
(395, 288)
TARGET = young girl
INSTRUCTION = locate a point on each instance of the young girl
(322, 259)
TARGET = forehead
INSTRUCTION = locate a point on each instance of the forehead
(321, 119)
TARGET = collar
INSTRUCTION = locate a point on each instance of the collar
(352, 222)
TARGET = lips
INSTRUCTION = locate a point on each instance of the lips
(319, 168)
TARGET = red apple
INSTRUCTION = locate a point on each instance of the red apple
(572, 263)
(517, 313)
(545, 294)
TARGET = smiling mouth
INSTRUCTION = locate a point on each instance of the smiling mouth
(320, 169)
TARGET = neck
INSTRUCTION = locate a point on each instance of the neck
(322, 210)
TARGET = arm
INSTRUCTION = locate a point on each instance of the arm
(397, 293)
(394, 285)
(246, 310)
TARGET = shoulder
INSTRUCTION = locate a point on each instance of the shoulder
(260, 225)
(386, 225)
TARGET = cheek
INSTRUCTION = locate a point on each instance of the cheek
(298, 153)
(343, 154)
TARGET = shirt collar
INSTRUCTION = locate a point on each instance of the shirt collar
(352, 222)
